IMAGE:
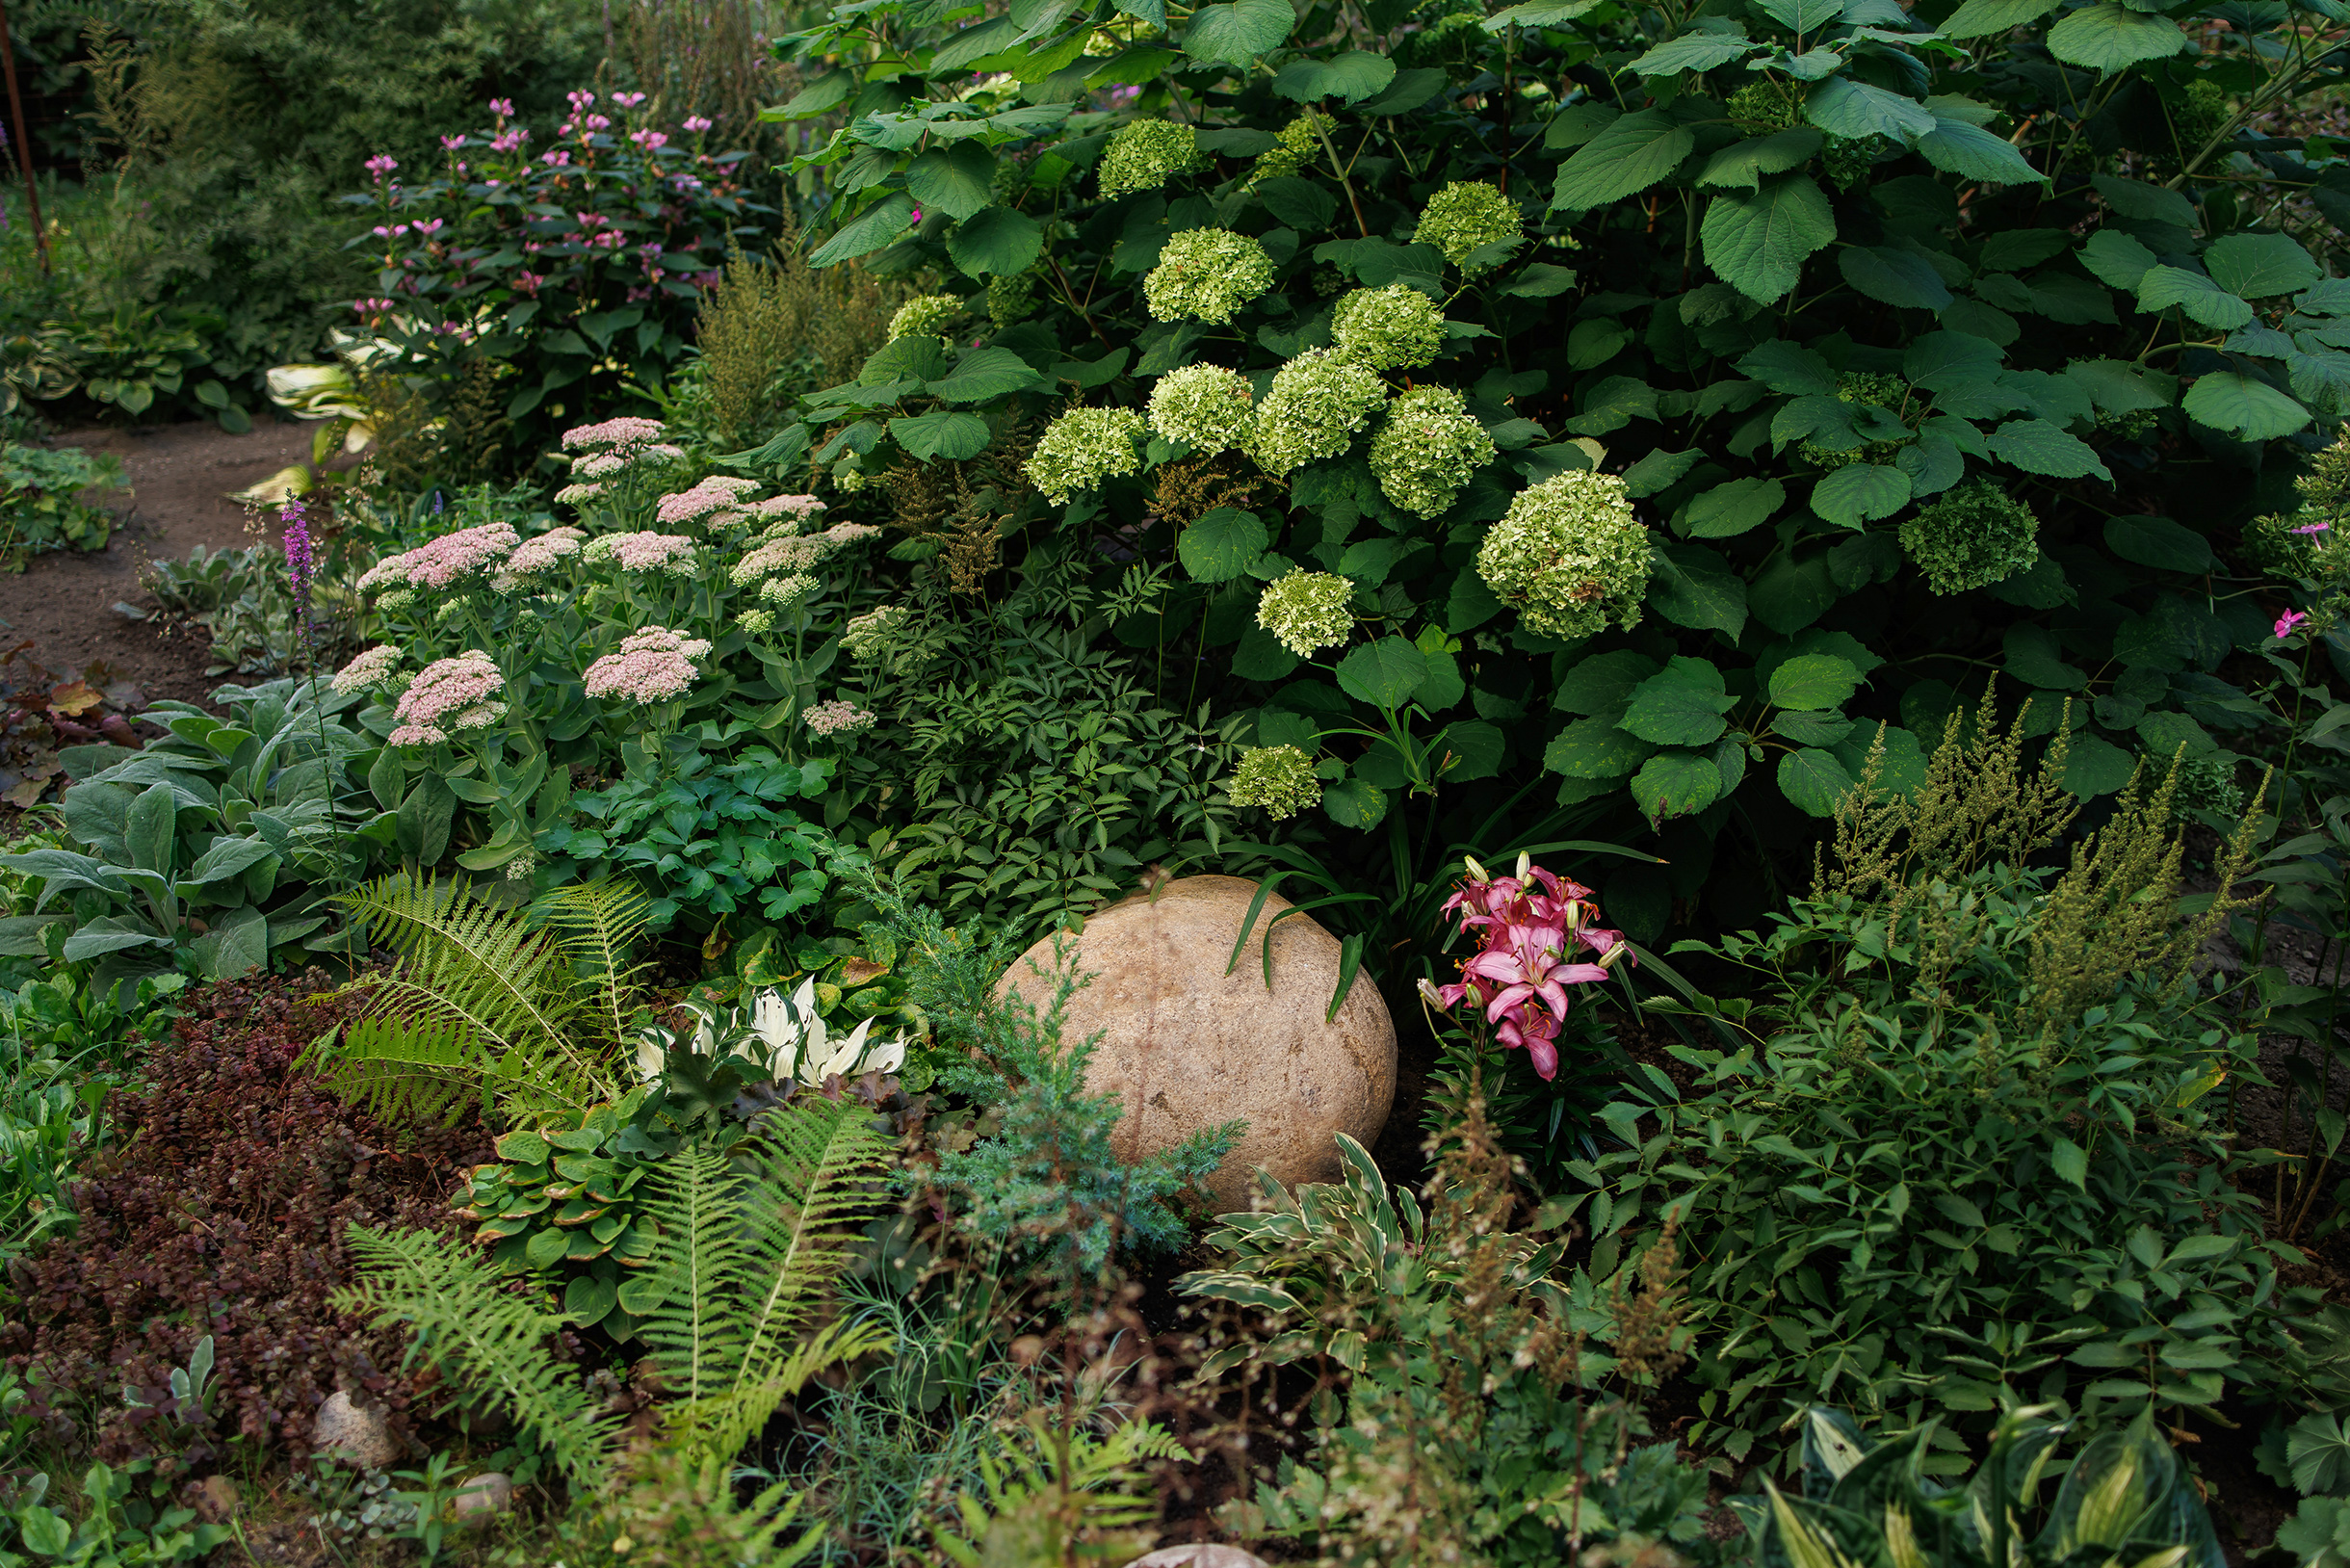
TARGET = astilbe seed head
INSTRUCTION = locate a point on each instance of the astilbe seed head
(1974, 536)
(1312, 410)
(1084, 447)
(1205, 407)
(1570, 556)
(1467, 215)
(1278, 778)
(1207, 274)
(1393, 327)
(926, 315)
(1427, 450)
(1307, 611)
(1145, 154)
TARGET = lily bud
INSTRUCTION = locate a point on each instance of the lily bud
(1430, 995)
(1476, 873)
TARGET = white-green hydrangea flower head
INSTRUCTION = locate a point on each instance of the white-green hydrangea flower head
(1427, 449)
(1395, 328)
(927, 315)
(1317, 404)
(1467, 215)
(1280, 779)
(1084, 447)
(1308, 611)
(1976, 535)
(1569, 557)
(1145, 155)
(1207, 274)
(1205, 407)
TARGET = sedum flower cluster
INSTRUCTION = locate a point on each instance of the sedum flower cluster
(652, 665)
(1205, 407)
(1294, 147)
(837, 718)
(1395, 328)
(1428, 448)
(1307, 611)
(450, 695)
(1280, 779)
(452, 561)
(1084, 447)
(537, 557)
(671, 553)
(1974, 536)
(1208, 273)
(372, 669)
(1314, 408)
(787, 593)
(869, 635)
(1145, 154)
(1467, 215)
(1570, 556)
(788, 555)
(718, 498)
(926, 315)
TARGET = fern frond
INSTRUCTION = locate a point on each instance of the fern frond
(723, 1422)
(407, 1069)
(810, 1194)
(467, 1319)
(1080, 1500)
(596, 924)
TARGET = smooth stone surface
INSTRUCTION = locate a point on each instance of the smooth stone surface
(1187, 1046)
(1199, 1556)
(352, 1433)
(216, 1500)
(483, 1498)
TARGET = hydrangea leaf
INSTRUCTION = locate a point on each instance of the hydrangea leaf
(1603, 682)
(1222, 545)
(1631, 154)
(1791, 594)
(996, 243)
(2116, 387)
(1695, 588)
(1354, 802)
(2038, 447)
(1694, 51)
(1383, 673)
(1595, 749)
(1682, 704)
(1901, 764)
(2115, 257)
(2142, 202)
(2107, 37)
(983, 374)
(2249, 409)
(2159, 543)
(868, 231)
(1968, 150)
(1844, 107)
(956, 178)
(1349, 78)
(1758, 242)
(1476, 748)
(2034, 657)
(1984, 18)
(2321, 379)
(2258, 266)
(1729, 509)
(1813, 781)
(2199, 296)
(1237, 34)
(1675, 784)
(2095, 767)
(1898, 278)
(1790, 368)
(1860, 491)
(1813, 681)
(1747, 162)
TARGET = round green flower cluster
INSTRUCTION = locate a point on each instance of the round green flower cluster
(1860, 386)
(1294, 147)
(1207, 272)
(1570, 556)
(1010, 298)
(869, 635)
(1760, 108)
(1315, 404)
(1307, 611)
(2205, 783)
(1467, 215)
(1205, 407)
(926, 314)
(1145, 154)
(1974, 536)
(1084, 447)
(1395, 328)
(1427, 450)
(1280, 779)
(756, 621)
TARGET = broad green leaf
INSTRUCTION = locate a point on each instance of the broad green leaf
(1979, 19)
(1844, 107)
(2199, 298)
(1351, 77)
(1898, 278)
(2322, 380)
(2070, 1161)
(150, 827)
(1603, 682)
(1939, 362)
(1675, 784)
(1692, 587)
(956, 178)
(1682, 704)
(1746, 162)
(1237, 34)
(868, 231)
(1383, 673)
(1694, 51)
(1406, 92)
(2107, 37)
(983, 374)
(1813, 681)
(1475, 749)
(110, 933)
(2117, 259)
(1539, 13)
(1956, 147)
(1791, 594)
(2159, 542)
(1757, 242)
(2038, 447)
(1729, 509)
(1355, 802)
(2142, 202)
(1658, 470)
(2034, 657)
(1225, 543)
(1790, 368)
(2258, 266)
(1631, 154)
(1813, 781)
(237, 944)
(2116, 387)
(942, 434)
(1860, 491)
(1595, 749)
(1800, 16)
(2246, 408)
(997, 243)
(2166, 733)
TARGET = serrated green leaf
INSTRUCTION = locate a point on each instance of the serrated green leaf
(1675, 784)
(983, 374)
(956, 178)
(1384, 674)
(1682, 704)
(1813, 781)
(1351, 77)
(2038, 447)
(2159, 543)
(2258, 266)
(1595, 749)
(868, 231)
(2034, 657)
(2198, 296)
(1729, 509)
(1757, 242)
(997, 243)
(1694, 51)
(1844, 107)
(1223, 544)
(1860, 491)
(1237, 34)
(1692, 587)
(1747, 162)
(2107, 37)
(1980, 19)
(1956, 147)
(1813, 681)
(2246, 408)
(1898, 278)
(2116, 258)
(1631, 154)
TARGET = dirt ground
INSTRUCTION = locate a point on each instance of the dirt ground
(180, 477)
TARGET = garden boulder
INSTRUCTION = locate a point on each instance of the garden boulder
(1187, 1046)
(356, 1432)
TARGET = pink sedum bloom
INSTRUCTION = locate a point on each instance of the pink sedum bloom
(450, 560)
(720, 492)
(652, 665)
(1536, 930)
(460, 690)
(626, 430)
(643, 551)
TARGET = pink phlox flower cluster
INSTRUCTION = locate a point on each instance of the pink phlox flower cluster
(643, 551)
(469, 552)
(1534, 929)
(368, 671)
(716, 493)
(544, 554)
(460, 690)
(652, 665)
(787, 553)
(626, 430)
(837, 718)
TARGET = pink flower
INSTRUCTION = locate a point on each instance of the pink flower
(469, 552)
(671, 553)
(509, 141)
(579, 100)
(2313, 528)
(556, 159)
(1534, 928)
(625, 430)
(712, 494)
(697, 124)
(590, 221)
(837, 718)
(544, 554)
(502, 107)
(652, 665)
(611, 239)
(528, 282)
(649, 141)
(380, 165)
(596, 123)
(2288, 620)
(628, 100)
(450, 143)
(460, 690)
(427, 225)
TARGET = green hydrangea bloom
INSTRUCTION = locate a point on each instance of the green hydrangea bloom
(1974, 535)
(1280, 779)
(1307, 611)
(1084, 447)
(926, 314)
(1315, 404)
(1570, 556)
(1427, 450)
(1145, 154)
(875, 633)
(1010, 299)
(1860, 386)
(1207, 272)
(1467, 215)
(1205, 407)
(1395, 328)
(1760, 108)
(2205, 783)
(1294, 147)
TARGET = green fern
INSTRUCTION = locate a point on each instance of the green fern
(467, 1318)
(1085, 1500)
(528, 1004)
(743, 1261)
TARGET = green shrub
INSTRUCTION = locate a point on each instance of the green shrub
(40, 501)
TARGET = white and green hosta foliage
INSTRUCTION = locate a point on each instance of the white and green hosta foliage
(1927, 345)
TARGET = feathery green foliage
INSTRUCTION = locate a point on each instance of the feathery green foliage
(731, 1289)
(1082, 1500)
(528, 1006)
(469, 1318)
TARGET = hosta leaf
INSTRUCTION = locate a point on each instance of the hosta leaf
(2108, 38)
(1630, 155)
(1758, 242)
(2246, 408)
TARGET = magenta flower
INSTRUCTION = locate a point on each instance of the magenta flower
(628, 100)
(380, 165)
(1536, 928)
(502, 107)
(697, 124)
(649, 141)
(2313, 528)
(2288, 620)
(579, 100)
(450, 143)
